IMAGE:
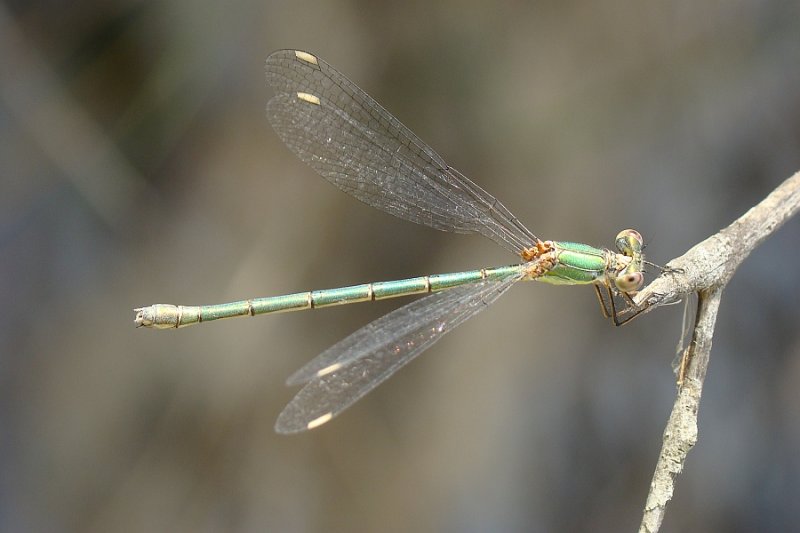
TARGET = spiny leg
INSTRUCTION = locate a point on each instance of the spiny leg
(665, 269)
(631, 309)
(614, 313)
(603, 305)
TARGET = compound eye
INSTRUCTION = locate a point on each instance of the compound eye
(631, 282)
(629, 241)
(632, 234)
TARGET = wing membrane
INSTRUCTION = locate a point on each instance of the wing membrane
(365, 359)
(354, 143)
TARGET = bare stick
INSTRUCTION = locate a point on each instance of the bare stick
(705, 269)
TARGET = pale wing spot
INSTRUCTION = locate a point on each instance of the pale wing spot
(319, 421)
(310, 98)
(305, 56)
(328, 369)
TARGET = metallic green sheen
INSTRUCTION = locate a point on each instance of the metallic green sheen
(278, 304)
(504, 272)
(402, 287)
(165, 316)
(342, 295)
(579, 247)
(578, 264)
(215, 312)
(447, 281)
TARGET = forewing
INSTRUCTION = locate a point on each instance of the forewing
(354, 143)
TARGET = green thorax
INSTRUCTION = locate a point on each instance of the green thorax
(577, 264)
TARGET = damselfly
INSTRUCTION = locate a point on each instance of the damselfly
(354, 143)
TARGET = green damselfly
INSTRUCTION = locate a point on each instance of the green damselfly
(354, 143)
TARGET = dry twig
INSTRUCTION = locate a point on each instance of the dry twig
(705, 269)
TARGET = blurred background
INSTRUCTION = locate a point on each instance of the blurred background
(137, 166)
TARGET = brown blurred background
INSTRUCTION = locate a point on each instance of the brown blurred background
(136, 166)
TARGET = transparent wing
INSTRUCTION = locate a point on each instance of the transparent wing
(348, 370)
(354, 143)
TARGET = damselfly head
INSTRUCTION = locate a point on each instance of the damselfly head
(630, 277)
